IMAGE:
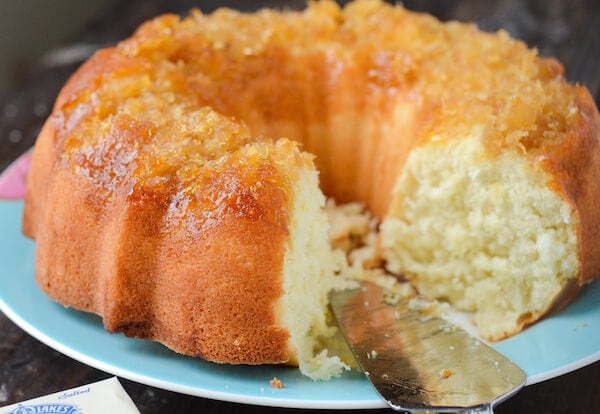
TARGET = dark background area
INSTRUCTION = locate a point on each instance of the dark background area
(567, 30)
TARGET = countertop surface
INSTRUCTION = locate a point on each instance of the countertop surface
(569, 31)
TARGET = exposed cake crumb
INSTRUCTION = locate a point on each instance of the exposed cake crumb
(276, 383)
(353, 235)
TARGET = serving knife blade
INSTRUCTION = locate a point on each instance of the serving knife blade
(417, 362)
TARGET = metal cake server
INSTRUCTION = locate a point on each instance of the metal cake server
(421, 363)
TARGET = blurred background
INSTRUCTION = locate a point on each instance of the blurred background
(29, 28)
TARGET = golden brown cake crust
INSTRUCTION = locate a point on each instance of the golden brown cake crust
(173, 241)
(575, 163)
(188, 283)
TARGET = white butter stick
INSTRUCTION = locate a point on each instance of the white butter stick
(101, 397)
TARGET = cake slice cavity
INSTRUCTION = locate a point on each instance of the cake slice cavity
(484, 232)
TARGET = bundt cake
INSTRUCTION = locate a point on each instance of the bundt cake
(177, 189)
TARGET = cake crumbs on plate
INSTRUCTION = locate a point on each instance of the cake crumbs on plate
(276, 383)
(446, 373)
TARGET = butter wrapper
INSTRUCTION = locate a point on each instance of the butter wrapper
(106, 396)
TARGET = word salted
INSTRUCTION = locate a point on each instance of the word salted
(101, 397)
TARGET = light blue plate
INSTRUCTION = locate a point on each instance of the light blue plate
(562, 343)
